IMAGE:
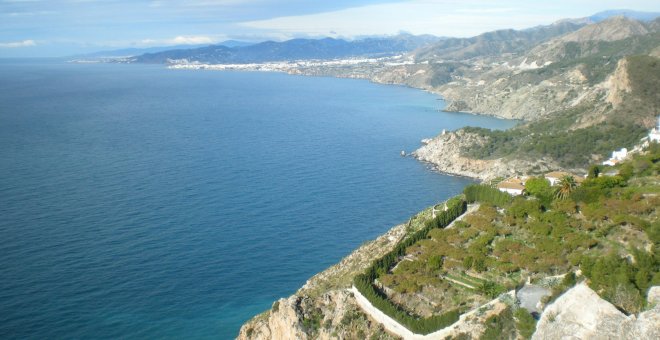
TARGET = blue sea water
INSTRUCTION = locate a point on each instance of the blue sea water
(141, 202)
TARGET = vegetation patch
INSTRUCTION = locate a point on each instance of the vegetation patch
(608, 227)
(365, 282)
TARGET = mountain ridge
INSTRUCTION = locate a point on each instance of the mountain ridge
(294, 49)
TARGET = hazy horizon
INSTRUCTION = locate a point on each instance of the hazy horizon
(38, 28)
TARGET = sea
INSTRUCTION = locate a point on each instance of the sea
(139, 202)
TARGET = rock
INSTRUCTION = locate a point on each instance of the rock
(581, 314)
(618, 83)
(323, 308)
(444, 151)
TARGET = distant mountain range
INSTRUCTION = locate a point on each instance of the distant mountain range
(130, 52)
(295, 49)
(426, 47)
(501, 42)
(494, 43)
(642, 16)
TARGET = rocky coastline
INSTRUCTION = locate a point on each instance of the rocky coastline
(443, 153)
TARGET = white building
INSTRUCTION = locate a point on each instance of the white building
(654, 136)
(512, 186)
(617, 156)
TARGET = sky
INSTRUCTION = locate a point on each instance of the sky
(42, 28)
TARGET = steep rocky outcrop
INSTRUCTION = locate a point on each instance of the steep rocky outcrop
(581, 314)
(618, 84)
(444, 152)
(324, 308)
(304, 317)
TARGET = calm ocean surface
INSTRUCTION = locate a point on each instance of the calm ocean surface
(141, 202)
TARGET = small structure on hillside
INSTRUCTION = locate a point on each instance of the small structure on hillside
(654, 135)
(617, 156)
(556, 176)
(513, 186)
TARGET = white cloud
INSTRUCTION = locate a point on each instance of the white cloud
(417, 17)
(178, 40)
(16, 44)
(191, 40)
(458, 18)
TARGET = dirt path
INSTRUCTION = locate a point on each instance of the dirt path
(458, 282)
(392, 326)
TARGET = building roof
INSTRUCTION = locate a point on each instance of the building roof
(558, 174)
(511, 183)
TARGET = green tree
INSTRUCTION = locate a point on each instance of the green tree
(525, 323)
(566, 186)
(539, 187)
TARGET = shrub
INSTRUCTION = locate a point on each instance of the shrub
(540, 188)
(486, 194)
(525, 323)
(434, 263)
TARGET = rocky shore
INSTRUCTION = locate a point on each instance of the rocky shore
(444, 153)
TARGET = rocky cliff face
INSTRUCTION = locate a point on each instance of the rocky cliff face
(618, 84)
(324, 308)
(444, 152)
(329, 316)
(581, 314)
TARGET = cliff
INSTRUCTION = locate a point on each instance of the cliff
(581, 314)
(323, 308)
(444, 152)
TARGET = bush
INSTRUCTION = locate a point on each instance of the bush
(486, 194)
(434, 263)
(540, 188)
(525, 323)
(500, 326)
(623, 283)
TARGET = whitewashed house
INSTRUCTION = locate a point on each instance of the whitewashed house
(617, 156)
(512, 186)
(654, 135)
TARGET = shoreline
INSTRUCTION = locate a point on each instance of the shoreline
(293, 68)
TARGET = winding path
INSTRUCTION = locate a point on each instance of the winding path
(398, 329)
